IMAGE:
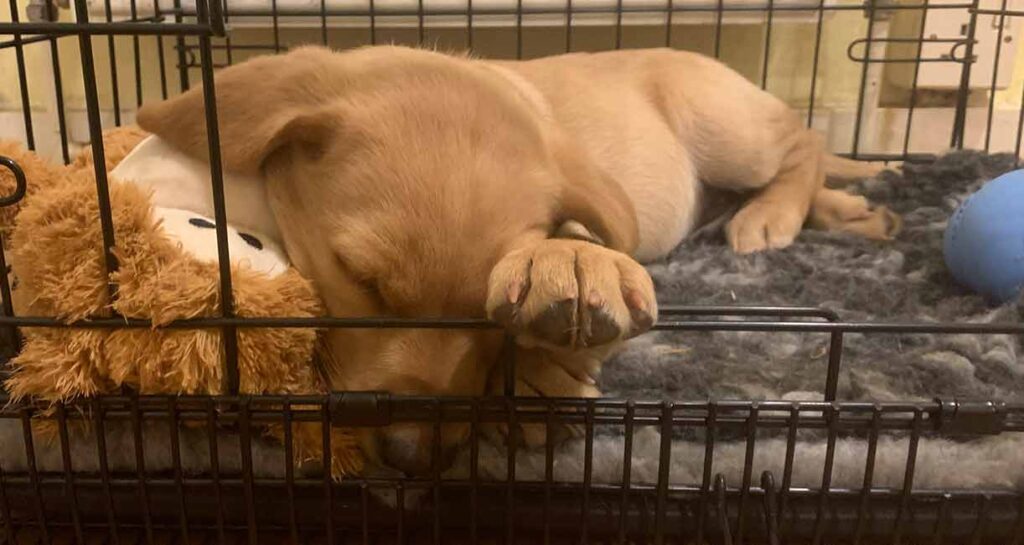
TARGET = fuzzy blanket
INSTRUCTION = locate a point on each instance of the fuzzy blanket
(905, 280)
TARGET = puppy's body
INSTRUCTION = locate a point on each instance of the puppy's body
(411, 183)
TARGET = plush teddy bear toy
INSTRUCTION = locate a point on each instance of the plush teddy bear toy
(167, 270)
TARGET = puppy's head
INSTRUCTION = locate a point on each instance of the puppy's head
(399, 178)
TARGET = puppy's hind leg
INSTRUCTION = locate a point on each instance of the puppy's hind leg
(773, 217)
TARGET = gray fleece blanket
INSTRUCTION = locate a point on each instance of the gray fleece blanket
(904, 280)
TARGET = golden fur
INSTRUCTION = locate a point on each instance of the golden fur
(56, 255)
(411, 183)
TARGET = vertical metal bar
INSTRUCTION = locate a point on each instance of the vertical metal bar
(228, 49)
(474, 471)
(722, 510)
(435, 464)
(908, 477)
(664, 465)
(510, 470)
(770, 508)
(69, 472)
(627, 471)
(101, 452)
(5, 508)
(33, 474)
(719, 14)
(26, 104)
(1020, 131)
(6, 299)
(869, 473)
(832, 414)
(289, 470)
(162, 63)
(995, 77)
(709, 456)
(140, 468)
(218, 492)
(748, 469)
(92, 105)
(180, 46)
(588, 471)
(136, 57)
(960, 116)
(364, 505)
(400, 492)
(835, 360)
(112, 51)
(227, 302)
(373, 22)
(519, 29)
(245, 446)
(275, 26)
(568, 24)
(549, 469)
(981, 526)
(767, 46)
(420, 23)
(58, 88)
(941, 522)
(618, 25)
(814, 65)
(179, 480)
(913, 84)
(859, 121)
(1018, 529)
(469, 24)
(787, 468)
(328, 462)
(323, 22)
(669, 23)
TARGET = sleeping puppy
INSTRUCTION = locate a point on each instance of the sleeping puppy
(411, 183)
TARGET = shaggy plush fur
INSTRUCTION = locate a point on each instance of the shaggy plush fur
(862, 280)
(56, 252)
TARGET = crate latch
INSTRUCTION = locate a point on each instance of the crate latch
(360, 409)
(958, 417)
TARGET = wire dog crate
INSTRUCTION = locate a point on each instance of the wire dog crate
(165, 47)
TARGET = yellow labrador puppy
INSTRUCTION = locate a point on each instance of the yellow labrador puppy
(411, 183)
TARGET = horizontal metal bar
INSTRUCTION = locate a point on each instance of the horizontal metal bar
(1005, 12)
(104, 29)
(527, 10)
(473, 323)
(25, 41)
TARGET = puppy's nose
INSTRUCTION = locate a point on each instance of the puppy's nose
(410, 449)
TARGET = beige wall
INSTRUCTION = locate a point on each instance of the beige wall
(790, 63)
(742, 47)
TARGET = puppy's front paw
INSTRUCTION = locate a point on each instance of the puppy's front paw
(570, 294)
(763, 225)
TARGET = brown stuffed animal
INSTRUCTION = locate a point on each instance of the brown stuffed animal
(54, 244)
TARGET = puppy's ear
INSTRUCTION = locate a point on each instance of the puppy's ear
(593, 199)
(255, 102)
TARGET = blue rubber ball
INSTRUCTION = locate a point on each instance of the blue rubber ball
(984, 242)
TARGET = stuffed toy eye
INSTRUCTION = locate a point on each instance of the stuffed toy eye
(200, 222)
(251, 240)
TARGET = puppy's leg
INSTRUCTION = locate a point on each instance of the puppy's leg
(835, 210)
(775, 215)
(570, 304)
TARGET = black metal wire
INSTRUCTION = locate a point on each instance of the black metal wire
(19, 54)
(514, 509)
